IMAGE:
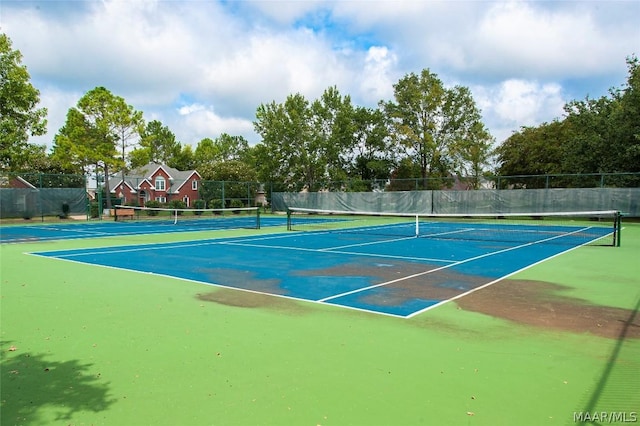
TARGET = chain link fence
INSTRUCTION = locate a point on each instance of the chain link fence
(34, 195)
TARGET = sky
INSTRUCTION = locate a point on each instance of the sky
(203, 67)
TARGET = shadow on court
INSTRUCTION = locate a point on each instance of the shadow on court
(31, 382)
(616, 392)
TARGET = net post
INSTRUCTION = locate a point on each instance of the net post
(288, 219)
(417, 226)
(258, 218)
(618, 229)
(175, 216)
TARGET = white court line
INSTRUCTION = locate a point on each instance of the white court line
(161, 246)
(141, 247)
(351, 253)
(367, 244)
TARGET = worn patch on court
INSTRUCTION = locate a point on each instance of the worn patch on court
(540, 304)
(247, 299)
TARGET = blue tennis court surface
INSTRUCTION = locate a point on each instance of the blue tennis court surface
(61, 231)
(398, 276)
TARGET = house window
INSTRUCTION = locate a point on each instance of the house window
(161, 199)
(194, 185)
(160, 183)
(186, 200)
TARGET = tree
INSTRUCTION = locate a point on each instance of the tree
(332, 133)
(304, 143)
(128, 125)
(371, 156)
(230, 147)
(606, 131)
(475, 153)
(626, 119)
(94, 130)
(184, 160)
(226, 179)
(73, 146)
(469, 141)
(157, 144)
(19, 116)
(533, 151)
(433, 124)
(289, 154)
(206, 152)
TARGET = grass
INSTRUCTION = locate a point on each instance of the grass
(85, 345)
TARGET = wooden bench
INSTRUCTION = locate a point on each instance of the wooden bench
(124, 213)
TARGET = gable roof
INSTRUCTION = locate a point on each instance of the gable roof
(136, 177)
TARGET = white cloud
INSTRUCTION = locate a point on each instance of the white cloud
(515, 103)
(197, 120)
(376, 80)
(527, 102)
(270, 66)
(190, 109)
(219, 60)
(522, 39)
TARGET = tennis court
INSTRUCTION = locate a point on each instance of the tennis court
(381, 267)
(144, 226)
(320, 319)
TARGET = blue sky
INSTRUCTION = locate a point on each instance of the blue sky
(202, 67)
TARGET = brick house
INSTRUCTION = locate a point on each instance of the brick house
(19, 182)
(157, 182)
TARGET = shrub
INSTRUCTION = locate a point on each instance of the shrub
(65, 211)
(94, 212)
(236, 204)
(154, 205)
(215, 204)
(198, 205)
(178, 204)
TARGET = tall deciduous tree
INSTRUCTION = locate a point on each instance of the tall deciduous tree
(333, 132)
(289, 153)
(206, 152)
(533, 151)
(606, 131)
(19, 116)
(304, 143)
(433, 123)
(158, 144)
(371, 156)
(627, 119)
(185, 160)
(230, 148)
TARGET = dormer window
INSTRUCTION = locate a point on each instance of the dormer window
(160, 184)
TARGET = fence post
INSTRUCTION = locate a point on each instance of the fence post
(40, 197)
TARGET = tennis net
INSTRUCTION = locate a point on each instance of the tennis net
(571, 228)
(226, 218)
